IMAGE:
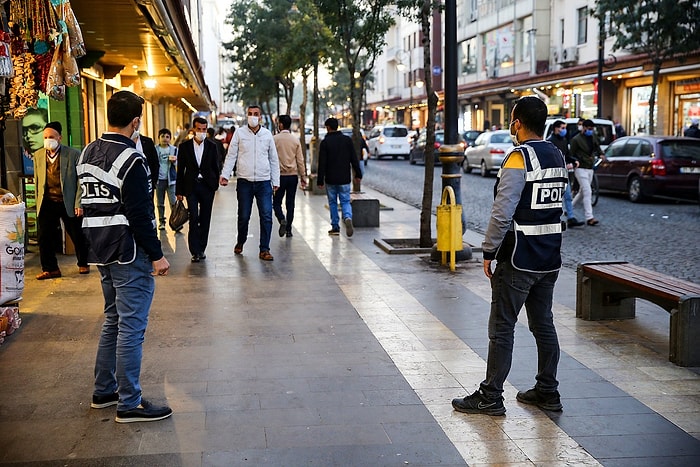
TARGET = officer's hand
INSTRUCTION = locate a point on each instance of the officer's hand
(161, 267)
(223, 181)
(487, 268)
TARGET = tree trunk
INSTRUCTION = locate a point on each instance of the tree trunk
(652, 96)
(302, 110)
(426, 214)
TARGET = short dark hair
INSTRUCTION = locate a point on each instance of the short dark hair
(532, 113)
(588, 123)
(285, 121)
(123, 107)
(199, 120)
(558, 123)
(254, 106)
(164, 131)
(210, 132)
(331, 123)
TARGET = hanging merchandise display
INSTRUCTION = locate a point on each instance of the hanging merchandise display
(45, 42)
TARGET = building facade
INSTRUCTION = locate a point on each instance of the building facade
(550, 48)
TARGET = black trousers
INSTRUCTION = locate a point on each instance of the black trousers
(287, 191)
(48, 222)
(199, 203)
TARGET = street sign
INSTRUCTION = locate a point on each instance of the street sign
(437, 71)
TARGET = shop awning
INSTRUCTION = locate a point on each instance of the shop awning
(145, 40)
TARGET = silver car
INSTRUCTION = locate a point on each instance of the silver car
(488, 152)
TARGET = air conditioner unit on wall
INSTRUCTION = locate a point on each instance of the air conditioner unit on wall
(568, 56)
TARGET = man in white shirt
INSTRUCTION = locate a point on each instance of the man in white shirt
(252, 150)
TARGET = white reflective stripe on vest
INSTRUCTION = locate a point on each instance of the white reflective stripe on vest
(538, 229)
(105, 221)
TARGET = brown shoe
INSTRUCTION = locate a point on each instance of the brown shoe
(49, 275)
(238, 249)
(83, 269)
(265, 256)
(592, 221)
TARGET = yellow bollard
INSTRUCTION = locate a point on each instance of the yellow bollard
(449, 226)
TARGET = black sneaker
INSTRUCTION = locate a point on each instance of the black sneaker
(478, 403)
(102, 402)
(144, 412)
(334, 232)
(283, 227)
(289, 235)
(543, 400)
(573, 222)
(349, 230)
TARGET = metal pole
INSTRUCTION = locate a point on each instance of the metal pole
(451, 154)
(601, 60)
(410, 85)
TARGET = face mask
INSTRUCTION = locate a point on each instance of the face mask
(253, 121)
(588, 132)
(135, 135)
(580, 128)
(200, 136)
(562, 132)
(513, 136)
(50, 144)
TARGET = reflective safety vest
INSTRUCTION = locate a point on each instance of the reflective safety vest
(102, 167)
(537, 219)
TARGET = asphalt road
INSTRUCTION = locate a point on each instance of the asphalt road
(661, 235)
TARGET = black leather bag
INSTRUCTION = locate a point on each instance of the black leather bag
(179, 215)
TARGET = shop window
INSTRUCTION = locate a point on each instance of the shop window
(467, 56)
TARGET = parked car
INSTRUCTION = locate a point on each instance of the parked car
(604, 129)
(417, 154)
(309, 132)
(488, 152)
(470, 136)
(347, 131)
(389, 140)
(645, 166)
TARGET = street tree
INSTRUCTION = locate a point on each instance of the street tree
(660, 29)
(422, 11)
(359, 28)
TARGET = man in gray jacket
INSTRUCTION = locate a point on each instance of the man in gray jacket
(57, 198)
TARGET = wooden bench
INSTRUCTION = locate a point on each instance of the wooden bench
(607, 290)
(365, 210)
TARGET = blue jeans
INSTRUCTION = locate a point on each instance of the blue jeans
(128, 293)
(511, 289)
(286, 191)
(262, 192)
(568, 202)
(163, 187)
(334, 193)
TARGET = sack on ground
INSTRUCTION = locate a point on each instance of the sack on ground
(179, 215)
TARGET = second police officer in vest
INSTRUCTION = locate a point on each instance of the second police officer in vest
(524, 237)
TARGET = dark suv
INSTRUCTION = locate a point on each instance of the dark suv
(645, 166)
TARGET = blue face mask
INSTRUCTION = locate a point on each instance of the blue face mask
(562, 132)
(588, 132)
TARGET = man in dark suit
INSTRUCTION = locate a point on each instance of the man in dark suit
(147, 147)
(198, 169)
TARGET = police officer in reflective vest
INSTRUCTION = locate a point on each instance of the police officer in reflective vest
(524, 237)
(119, 223)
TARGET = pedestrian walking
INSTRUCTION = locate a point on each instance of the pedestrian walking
(558, 138)
(336, 159)
(585, 150)
(167, 174)
(292, 173)
(147, 147)
(524, 237)
(57, 199)
(253, 153)
(120, 227)
(197, 180)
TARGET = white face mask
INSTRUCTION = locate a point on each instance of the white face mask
(253, 121)
(200, 136)
(50, 144)
(135, 135)
(513, 136)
